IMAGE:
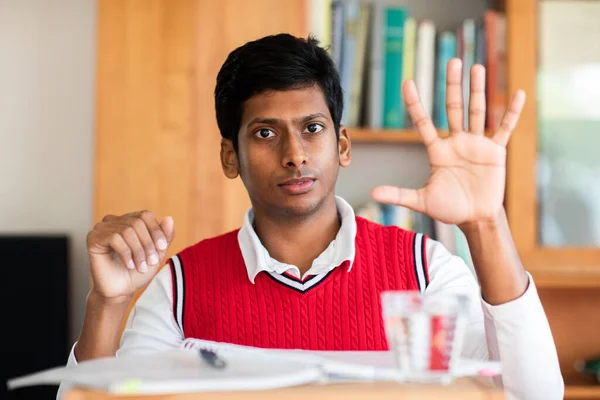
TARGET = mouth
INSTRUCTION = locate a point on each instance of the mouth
(297, 186)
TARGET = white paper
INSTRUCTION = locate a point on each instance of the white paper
(248, 368)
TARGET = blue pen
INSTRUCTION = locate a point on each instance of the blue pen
(212, 359)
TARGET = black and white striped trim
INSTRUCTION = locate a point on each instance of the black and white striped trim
(179, 290)
(420, 262)
(296, 284)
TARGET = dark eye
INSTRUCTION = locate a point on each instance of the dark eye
(265, 133)
(314, 128)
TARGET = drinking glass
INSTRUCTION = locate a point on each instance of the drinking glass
(425, 333)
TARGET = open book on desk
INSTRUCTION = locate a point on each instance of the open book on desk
(188, 370)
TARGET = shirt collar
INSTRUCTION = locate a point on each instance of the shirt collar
(341, 249)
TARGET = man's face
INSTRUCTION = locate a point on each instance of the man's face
(288, 156)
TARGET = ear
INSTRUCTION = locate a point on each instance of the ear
(344, 147)
(229, 159)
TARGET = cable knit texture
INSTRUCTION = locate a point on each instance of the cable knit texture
(341, 312)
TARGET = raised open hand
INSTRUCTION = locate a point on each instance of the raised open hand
(468, 169)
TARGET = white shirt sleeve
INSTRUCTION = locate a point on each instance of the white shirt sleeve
(516, 333)
(150, 326)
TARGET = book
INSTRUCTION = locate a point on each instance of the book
(468, 59)
(409, 63)
(446, 51)
(337, 33)
(376, 68)
(319, 25)
(495, 50)
(425, 64)
(410, 44)
(393, 106)
(356, 89)
(480, 45)
(375, 54)
(351, 12)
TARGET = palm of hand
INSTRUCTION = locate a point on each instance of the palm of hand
(467, 177)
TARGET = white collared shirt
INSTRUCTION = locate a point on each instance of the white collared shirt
(341, 249)
(517, 333)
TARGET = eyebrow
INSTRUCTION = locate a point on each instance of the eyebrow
(298, 121)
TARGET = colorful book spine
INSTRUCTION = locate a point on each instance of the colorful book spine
(495, 26)
(408, 64)
(376, 67)
(351, 18)
(393, 107)
(489, 21)
(480, 44)
(446, 51)
(320, 21)
(425, 64)
(356, 90)
(337, 33)
(468, 59)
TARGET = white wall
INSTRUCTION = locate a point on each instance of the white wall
(47, 50)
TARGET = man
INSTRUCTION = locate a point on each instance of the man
(303, 271)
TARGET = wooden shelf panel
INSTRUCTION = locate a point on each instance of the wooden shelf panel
(565, 279)
(367, 135)
(581, 387)
(364, 135)
(564, 267)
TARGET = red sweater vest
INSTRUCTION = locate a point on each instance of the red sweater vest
(213, 299)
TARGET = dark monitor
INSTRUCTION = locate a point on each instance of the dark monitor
(34, 305)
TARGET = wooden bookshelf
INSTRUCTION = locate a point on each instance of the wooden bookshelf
(581, 388)
(563, 278)
(407, 136)
(365, 135)
(568, 278)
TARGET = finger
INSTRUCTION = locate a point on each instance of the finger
(135, 245)
(417, 113)
(143, 233)
(409, 198)
(109, 217)
(156, 232)
(168, 227)
(477, 100)
(510, 119)
(120, 247)
(454, 97)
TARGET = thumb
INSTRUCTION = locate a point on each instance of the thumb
(409, 198)
(168, 227)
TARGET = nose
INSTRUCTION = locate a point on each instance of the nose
(293, 151)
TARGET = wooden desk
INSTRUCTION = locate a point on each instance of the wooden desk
(463, 389)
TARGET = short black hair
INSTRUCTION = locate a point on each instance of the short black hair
(277, 62)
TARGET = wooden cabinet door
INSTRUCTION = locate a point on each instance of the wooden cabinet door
(553, 195)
